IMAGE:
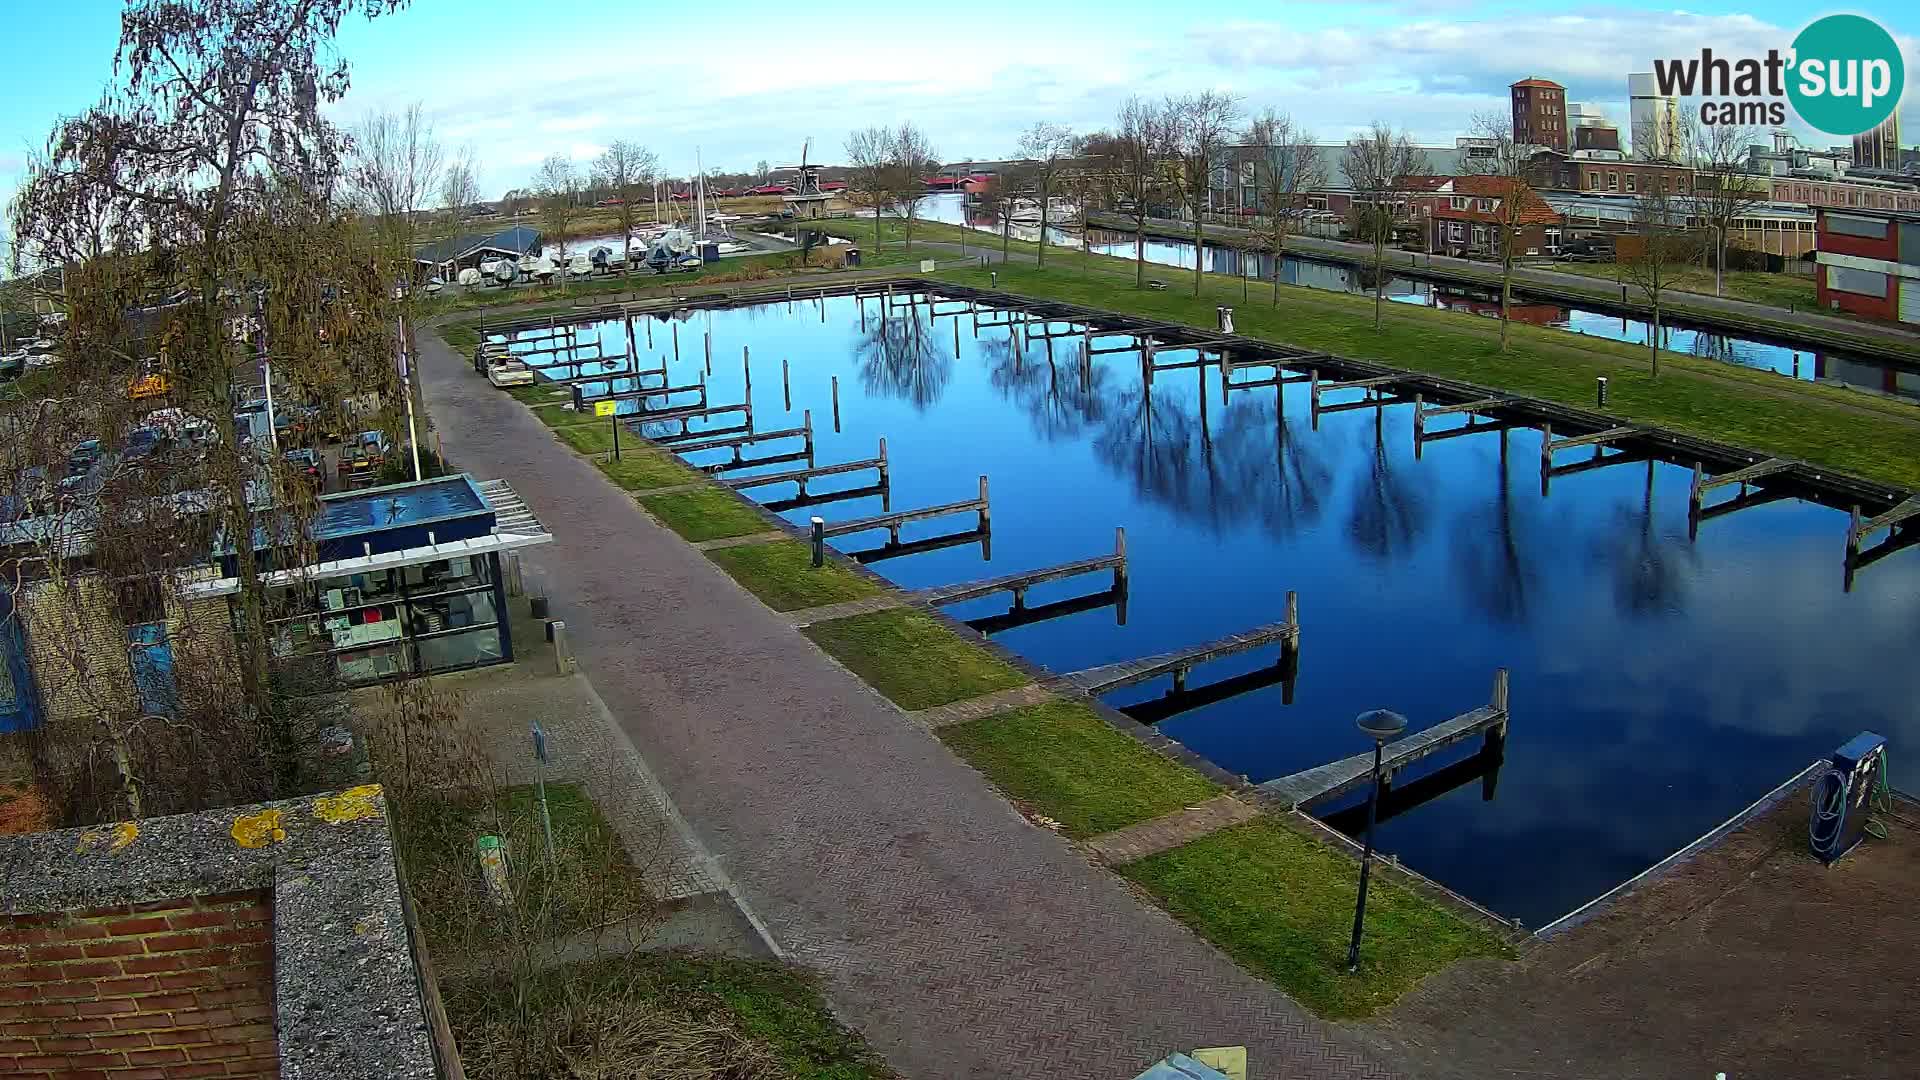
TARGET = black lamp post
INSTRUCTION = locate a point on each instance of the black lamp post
(1382, 726)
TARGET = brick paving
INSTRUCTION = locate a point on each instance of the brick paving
(740, 541)
(1169, 831)
(960, 940)
(959, 712)
(866, 605)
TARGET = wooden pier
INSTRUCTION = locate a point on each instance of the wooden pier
(1599, 440)
(1336, 778)
(1374, 386)
(1483, 406)
(802, 477)
(892, 521)
(1019, 582)
(1704, 485)
(1110, 677)
(582, 399)
(1893, 520)
(605, 376)
(686, 416)
(737, 444)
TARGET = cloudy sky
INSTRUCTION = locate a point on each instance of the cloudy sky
(743, 81)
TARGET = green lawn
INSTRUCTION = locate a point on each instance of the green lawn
(1062, 760)
(1780, 290)
(665, 1014)
(705, 515)
(1872, 437)
(781, 573)
(1281, 903)
(913, 659)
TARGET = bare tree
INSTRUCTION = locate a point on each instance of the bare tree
(997, 199)
(559, 185)
(209, 168)
(459, 191)
(910, 159)
(1132, 167)
(868, 153)
(394, 170)
(1723, 190)
(1046, 148)
(1286, 165)
(625, 169)
(1199, 127)
(1501, 179)
(1656, 252)
(1378, 165)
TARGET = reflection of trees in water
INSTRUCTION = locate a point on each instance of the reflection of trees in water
(1494, 560)
(1233, 465)
(1388, 511)
(899, 357)
(1650, 572)
(1049, 389)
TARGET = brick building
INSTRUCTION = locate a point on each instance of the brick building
(1869, 264)
(1468, 211)
(265, 941)
(1540, 114)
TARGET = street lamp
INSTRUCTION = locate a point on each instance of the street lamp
(1382, 726)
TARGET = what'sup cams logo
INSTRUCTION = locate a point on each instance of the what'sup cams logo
(1843, 76)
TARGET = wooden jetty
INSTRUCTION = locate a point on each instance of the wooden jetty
(1109, 677)
(1599, 440)
(1336, 778)
(1173, 703)
(884, 492)
(1374, 386)
(892, 550)
(582, 399)
(737, 444)
(1019, 582)
(802, 477)
(686, 416)
(892, 521)
(1115, 598)
(1703, 485)
(1893, 520)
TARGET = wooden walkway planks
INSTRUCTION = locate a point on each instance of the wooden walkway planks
(1017, 583)
(892, 521)
(1907, 509)
(1550, 446)
(801, 477)
(1336, 778)
(1108, 677)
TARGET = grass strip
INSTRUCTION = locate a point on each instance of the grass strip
(781, 573)
(705, 515)
(913, 659)
(1281, 904)
(1062, 760)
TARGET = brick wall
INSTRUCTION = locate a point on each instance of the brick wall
(154, 991)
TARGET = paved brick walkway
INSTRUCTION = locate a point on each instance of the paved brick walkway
(960, 940)
(1169, 831)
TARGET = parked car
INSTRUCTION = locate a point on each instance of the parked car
(305, 464)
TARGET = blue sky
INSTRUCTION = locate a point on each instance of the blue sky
(749, 80)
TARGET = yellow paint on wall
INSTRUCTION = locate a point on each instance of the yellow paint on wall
(352, 804)
(258, 830)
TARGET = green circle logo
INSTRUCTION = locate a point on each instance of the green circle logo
(1847, 75)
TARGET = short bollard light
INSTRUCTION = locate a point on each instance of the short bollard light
(1600, 391)
(1382, 726)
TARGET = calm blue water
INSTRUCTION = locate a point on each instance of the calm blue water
(1658, 685)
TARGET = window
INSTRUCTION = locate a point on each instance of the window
(1630, 181)
(1479, 236)
(1860, 282)
(362, 628)
(1613, 181)
(1459, 202)
(1486, 206)
(1850, 225)
(1593, 180)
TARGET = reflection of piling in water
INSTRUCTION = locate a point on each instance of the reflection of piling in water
(836, 404)
(1703, 485)
(1599, 440)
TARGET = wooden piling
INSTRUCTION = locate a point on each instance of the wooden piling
(1292, 616)
(746, 369)
(1420, 424)
(819, 531)
(786, 382)
(836, 404)
(676, 343)
(706, 347)
(1120, 557)
(884, 474)
(985, 513)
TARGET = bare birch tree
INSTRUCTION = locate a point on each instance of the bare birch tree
(1723, 190)
(1199, 127)
(626, 169)
(394, 170)
(1134, 164)
(1046, 148)
(1378, 165)
(1658, 253)
(1502, 177)
(909, 160)
(459, 192)
(1286, 165)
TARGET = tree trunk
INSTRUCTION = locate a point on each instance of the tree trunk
(1279, 257)
(1199, 244)
(1653, 338)
(1506, 290)
(1140, 252)
(1040, 259)
(1719, 261)
(1379, 281)
(1006, 237)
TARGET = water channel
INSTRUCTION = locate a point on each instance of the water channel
(1682, 337)
(1658, 685)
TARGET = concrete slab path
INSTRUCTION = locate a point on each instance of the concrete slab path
(959, 939)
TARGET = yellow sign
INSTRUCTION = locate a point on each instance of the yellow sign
(603, 408)
(1231, 1060)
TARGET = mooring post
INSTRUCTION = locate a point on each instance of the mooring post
(786, 382)
(746, 368)
(1120, 557)
(1796, 365)
(1313, 396)
(649, 332)
(836, 404)
(806, 425)
(559, 646)
(818, 528)
(1420, 424)
(707, 348)
(1497, 734)
(883, 460)
(1853, 533)
(1693, 494)
(676, 344)
(1293, 615)
(984, 512)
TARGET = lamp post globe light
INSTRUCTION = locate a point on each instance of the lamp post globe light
(1382, 726)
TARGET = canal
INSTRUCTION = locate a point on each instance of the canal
(1658, 685)
(1678, 336)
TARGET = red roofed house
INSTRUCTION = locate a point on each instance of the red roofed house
(1469, 210)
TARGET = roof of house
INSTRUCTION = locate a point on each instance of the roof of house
(1537, 81)
(519, 240)
(1534, 210)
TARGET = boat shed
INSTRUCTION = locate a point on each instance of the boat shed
(452, 255)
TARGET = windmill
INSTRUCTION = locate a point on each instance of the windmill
(809, 183)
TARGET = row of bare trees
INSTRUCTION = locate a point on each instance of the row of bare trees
(887, 170)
